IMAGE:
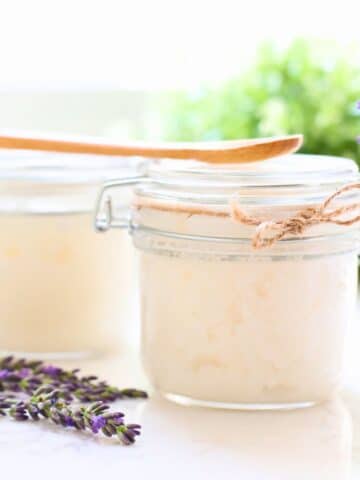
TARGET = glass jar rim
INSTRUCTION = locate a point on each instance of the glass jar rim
(290, 170)
(288, 180)
(49, 168)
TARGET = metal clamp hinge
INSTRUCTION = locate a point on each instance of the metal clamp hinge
(104, 212)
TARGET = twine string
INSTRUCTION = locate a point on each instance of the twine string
(270, 231)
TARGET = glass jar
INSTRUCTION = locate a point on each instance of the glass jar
(64, 289)
(225, 324)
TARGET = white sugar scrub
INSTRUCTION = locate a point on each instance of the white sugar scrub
(241, 330)
(64, 288)
(65, 291)
(229, 323)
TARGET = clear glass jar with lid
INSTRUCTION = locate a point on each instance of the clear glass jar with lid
(226, 323)
(64, 289)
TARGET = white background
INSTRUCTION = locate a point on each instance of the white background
(152, 44)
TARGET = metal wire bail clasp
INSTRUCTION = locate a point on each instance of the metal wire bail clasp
(104, 210)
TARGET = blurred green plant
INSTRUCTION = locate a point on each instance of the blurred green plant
(310, 88)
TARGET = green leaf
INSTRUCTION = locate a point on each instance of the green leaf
(311, 88)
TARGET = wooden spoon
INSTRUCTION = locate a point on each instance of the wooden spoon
(229, 151)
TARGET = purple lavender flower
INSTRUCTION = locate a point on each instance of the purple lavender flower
(68, 421)
(97, 423)
(128, 433)
(51, 370)
(24, 372)
(19, 412)
(117, 418)
(5, 373)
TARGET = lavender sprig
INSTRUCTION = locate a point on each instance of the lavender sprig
(26, 375)
(31, 390)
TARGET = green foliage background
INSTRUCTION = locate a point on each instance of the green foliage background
(310, 88)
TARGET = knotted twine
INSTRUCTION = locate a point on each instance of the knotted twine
(269, 232)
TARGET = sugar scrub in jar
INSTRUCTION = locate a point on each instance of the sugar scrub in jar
(64, 289)
(247, 278)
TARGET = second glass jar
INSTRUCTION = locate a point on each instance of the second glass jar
(66, 291)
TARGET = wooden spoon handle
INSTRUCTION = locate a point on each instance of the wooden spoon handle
(229, 151)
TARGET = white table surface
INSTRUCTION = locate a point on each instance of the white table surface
(322, 442)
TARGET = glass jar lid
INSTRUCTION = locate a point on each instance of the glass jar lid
(61, 169)
(290, 179)
(194, 200)
(45, 182)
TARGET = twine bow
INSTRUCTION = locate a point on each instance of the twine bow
(269, 232)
